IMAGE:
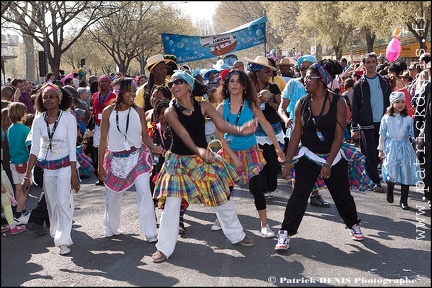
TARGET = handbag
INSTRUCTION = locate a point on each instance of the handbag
(21, 168)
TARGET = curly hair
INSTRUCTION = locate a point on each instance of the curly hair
(249, 92)
(65, 104)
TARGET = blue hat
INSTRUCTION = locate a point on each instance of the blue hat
(185, 76)
(309, 58)
(394, 96)
(196, 72)
(207, 74)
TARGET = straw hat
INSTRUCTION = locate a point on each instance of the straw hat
(285, 62)
(154, 60)
(261, 60)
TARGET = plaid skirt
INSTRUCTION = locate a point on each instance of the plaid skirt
(194, 180)
(357, 176)
(85, 162)
(252, 159)
(144, 165)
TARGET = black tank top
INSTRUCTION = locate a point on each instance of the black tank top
(194, 124)
(326, 126)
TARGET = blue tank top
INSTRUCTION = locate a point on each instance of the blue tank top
(239, 142)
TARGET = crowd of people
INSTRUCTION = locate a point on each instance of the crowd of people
(319, 123)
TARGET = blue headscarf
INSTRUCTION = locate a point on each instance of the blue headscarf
(309, 58)
(185, 76)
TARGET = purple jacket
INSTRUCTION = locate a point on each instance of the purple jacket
(26, 99)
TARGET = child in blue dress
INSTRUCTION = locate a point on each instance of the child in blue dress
(400, 163)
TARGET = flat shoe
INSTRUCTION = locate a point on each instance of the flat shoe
(158, 257)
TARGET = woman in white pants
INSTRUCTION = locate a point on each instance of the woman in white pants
(193, 172)
(124, 160)
(54, 134)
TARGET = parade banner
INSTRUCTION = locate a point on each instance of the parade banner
(194, 48)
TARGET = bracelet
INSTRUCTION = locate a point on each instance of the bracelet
(327, 164)
(26, 178)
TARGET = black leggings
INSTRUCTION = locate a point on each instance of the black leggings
(255, 188)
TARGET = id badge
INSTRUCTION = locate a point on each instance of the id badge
(320, 136)
(126, 145)
(263, 106)
(100, 116)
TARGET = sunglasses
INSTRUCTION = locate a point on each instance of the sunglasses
(308, 78)
(45, 97)
(176, 82)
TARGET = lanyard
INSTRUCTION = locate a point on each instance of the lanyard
(51, 133)
(102, 100)
(239, 112)
(127, 123)
(322, 111)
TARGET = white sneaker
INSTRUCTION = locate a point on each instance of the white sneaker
(64, 250)
(267, 232)
(216, 226)
(23, 219)
(268, 195)
(283, 240)
(109, 234)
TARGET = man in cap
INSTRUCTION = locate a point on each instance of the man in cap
(158, 72)
(292, 92)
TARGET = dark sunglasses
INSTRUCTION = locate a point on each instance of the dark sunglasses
(176, 82)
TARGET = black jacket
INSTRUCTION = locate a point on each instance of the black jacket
(362, 117)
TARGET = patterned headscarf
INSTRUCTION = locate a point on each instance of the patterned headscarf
(327, 78)
(54, 88)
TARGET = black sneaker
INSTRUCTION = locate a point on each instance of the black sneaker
(99, 183)
(318, 201)
(378, 188)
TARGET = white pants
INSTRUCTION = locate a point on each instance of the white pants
(169, 224)
(146, 210)
(60, 204)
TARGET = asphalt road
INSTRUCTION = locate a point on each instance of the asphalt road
(396, 250)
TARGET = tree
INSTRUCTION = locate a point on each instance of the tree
(135, 33)
(48, 22)
(232, 14)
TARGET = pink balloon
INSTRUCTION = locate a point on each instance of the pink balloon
(393, 50)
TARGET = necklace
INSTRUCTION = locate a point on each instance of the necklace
(182, 109)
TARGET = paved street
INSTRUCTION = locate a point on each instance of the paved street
(396, 250)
